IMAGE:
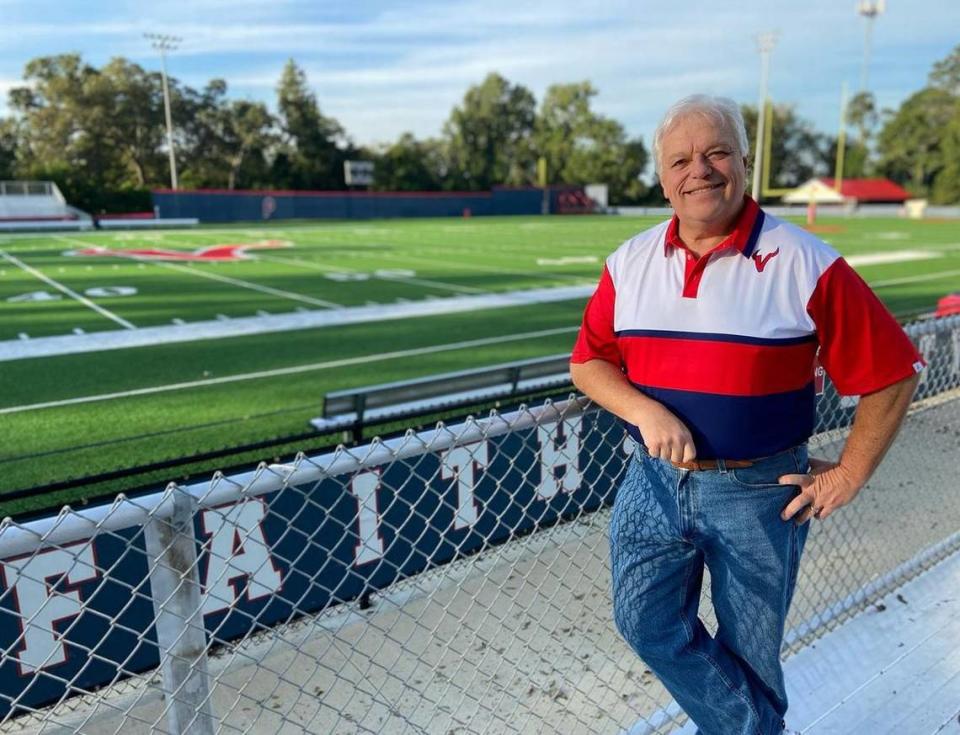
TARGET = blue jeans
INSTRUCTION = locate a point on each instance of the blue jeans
(666, 524)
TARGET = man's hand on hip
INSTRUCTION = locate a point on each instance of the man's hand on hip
(827, 487)
(665, 436)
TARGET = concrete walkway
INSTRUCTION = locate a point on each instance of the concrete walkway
(895, 668)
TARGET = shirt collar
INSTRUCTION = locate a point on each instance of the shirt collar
(746, 231)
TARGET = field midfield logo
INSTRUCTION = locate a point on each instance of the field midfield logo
(212, 253)
(761, 261)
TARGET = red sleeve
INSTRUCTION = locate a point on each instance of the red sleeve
(596, 340)
(862, 347)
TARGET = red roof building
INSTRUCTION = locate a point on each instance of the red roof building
(870, 190)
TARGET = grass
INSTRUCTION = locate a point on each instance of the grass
(348, 264)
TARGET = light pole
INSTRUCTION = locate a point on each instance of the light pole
(869, 9)
(765, 43)
(163, 43)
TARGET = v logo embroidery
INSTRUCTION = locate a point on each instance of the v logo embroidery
(761, 263)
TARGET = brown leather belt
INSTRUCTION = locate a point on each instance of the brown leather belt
(712, 464)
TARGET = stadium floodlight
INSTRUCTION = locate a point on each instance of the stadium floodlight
(765, 43)
(869, 9)
(163, 43)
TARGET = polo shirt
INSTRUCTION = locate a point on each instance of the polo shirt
(728, 341)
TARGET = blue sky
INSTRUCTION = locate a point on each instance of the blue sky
(382, 68)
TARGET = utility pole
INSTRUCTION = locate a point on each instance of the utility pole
(765, 43)
(163, 43)
(869, 9)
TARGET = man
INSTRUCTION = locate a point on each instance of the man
(702, 337)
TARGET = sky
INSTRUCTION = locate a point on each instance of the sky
(382, 68)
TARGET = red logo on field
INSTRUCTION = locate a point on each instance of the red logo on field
(219, 253)
(761, 262)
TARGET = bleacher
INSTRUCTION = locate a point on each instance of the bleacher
(31, 205)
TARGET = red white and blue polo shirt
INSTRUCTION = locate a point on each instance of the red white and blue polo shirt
(728, 341)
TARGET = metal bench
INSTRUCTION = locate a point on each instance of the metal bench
(353, 408)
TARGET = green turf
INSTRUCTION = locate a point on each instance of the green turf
(345, 263)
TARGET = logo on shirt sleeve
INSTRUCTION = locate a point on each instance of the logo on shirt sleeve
(761, 261)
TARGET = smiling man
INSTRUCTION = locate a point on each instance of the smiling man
(702, 336)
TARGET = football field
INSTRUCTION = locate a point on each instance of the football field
(124, 349)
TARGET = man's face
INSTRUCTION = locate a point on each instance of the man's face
(701, 172)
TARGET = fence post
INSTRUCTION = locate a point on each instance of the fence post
(181, 638)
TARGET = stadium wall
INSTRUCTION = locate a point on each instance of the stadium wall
(223, 205)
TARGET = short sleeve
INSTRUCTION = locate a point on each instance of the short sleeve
(597, 340)
(862, 347)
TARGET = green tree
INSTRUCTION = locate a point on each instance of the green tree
(9, 136)
(250, 137)
(489, 136)
(857, 161)
(946, 186)
(910, 142)
(410, 165)
(862, 115)
(203, 134)
(583, 147)
(945, 74)
(70, 131)
(137, 125)
(314, 146)
(797, 153)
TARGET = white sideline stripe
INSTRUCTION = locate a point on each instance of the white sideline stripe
(364, 359)
(68, 291)
(894, 256)
(70, 344)
(914, 279)
(403, 279)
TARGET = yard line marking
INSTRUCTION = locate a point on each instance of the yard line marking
(431, 282)
(296, 369)
(914, 279)
(306, 263)
(68, 291)
(247, 284)
(533, 274)
(402, 279)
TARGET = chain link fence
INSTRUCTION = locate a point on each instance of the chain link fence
(451, 581)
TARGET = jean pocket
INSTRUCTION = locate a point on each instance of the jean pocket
(764, 476)
(758, 480)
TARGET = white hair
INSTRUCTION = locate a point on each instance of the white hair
(721, 110)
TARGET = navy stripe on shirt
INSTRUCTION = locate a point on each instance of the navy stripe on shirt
(739, 427)
(717, 337)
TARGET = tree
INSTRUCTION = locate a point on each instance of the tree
(410, 165)
(70, 128)
(945, 74)
(797, 151)
(856, 158)
(946, 186)
(138, 124)
(314, 146)
(582, 147)
(862, 115)
(489, 136)
(910, 143)
(8, 148)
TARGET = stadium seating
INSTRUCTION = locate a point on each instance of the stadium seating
(37, 203)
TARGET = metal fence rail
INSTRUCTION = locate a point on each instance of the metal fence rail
(451, 581)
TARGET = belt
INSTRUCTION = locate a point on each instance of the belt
(712, 464)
